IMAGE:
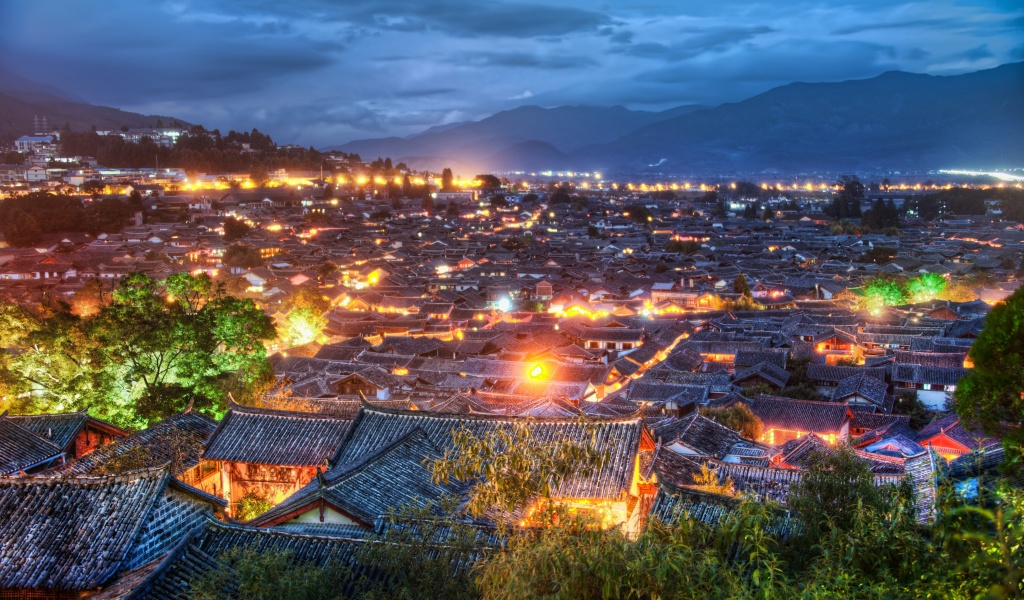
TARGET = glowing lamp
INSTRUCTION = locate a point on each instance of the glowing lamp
(536, 372)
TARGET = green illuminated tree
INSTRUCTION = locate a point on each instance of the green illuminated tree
(879, 292)
(926, 287)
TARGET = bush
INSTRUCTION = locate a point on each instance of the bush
(252, 505)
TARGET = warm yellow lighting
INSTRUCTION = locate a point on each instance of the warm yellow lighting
(536, 372)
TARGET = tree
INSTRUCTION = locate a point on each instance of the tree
(144, 355)
(510, 469)
(883, 291)
(829, 494)
(108, 215)
(688, 247)
(708, 481)
(737, 417)
(22, 230)
(270, 574)
(768, 215)
(992, 393)
(243, 257)
(235, 229)
(259, 176)
(926, 287)
(447, 180)
(740, 285)
(489, 182)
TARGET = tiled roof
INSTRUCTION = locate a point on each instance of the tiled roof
(861, 385)
(932, 375)
(276, 437)
(391, 477)
(799, 415)
(72, 533)
(57, 428)
(375, 428)
(21, 449)
(163, 442)
(829, 373)
(702, 435)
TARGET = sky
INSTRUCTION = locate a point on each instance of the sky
(322, 72)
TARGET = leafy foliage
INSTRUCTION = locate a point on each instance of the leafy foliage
(510, 469)
(252, 505)
(737, 417)
(708, 481)
(740, 285)
(251, 574)
(241, 256)
(423, 552)
(234, 229)
(992, 394)
(143, 355)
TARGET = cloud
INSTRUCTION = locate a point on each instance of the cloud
(526, 60)
(523, 96)
(980, 53)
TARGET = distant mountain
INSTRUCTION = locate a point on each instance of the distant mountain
(898, 121)
(894, 121)
(22, 99)
(525, 138)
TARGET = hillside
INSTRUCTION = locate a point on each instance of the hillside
(510, 139)
(895, 121)
(21, 100)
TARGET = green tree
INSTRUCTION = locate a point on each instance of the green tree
(108, 215)
(235, 229)
(737, 417)
(241, 256)
(992, 393)
(883, 291)
(740, 285)
(835, 484)
(925, 287)
(510, 469)
(22, 230)
(251, 574)
(447, 180)
(163, 350)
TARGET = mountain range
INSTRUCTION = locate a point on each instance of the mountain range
(895, 121)
(21, 100)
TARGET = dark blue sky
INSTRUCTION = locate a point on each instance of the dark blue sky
(321, 72)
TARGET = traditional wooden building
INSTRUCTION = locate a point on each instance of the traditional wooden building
(76, 433)
(271, 454)
(360, 493)
(611, 492)
(787, 419)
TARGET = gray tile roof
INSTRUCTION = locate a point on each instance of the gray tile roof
(74, 533)
(21, 449)
(276, 437)
(391, 477)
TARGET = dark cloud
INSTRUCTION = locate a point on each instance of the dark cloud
(905, 24)
(696, 45)
(525, 60)
(424, 93)
(1017, 53)
(980, 53)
